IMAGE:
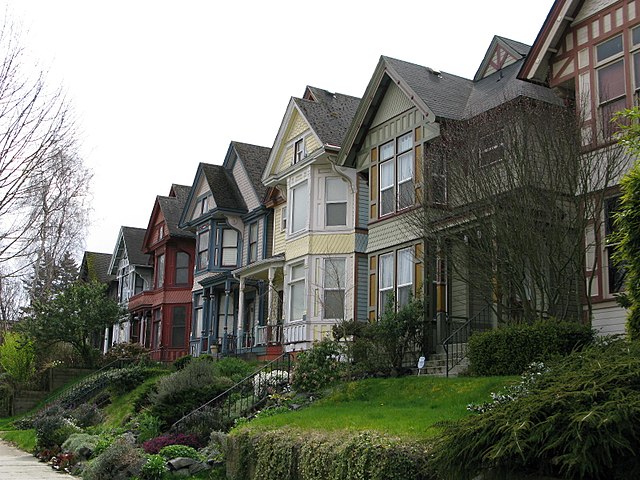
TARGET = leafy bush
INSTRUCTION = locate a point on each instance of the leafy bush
(156, 444)
(105, 440)
(317, 368)
(77, 441)
(125, 351)
(18, 357)
(174, 451)
(233, 368)
(147, 427)
(53, 430)
(186, 389)
(180, 363)
(86, 415)
(154, 468)
(120, 461)
(203, 422)
(578, 421)
(288, 454)
(510, 349)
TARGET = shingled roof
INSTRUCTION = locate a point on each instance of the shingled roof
(226, 193)
(95, 266)
(329, 115)
(133, 239)
(172, 209)
(254, 159)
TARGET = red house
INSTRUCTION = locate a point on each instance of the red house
(161, 314)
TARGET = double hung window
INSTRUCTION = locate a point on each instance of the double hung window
(203, 249)
(611, 81)
(396, 272)
(197, 314)
(336, 202)
(253, 242)
(229, 247)
(178, 326)
(298, 150)
(386, 281)
(160, 271)
(297, 297)
(334, 287)
(299, 207)
(615, 271)
(182, 268)
(397, 189)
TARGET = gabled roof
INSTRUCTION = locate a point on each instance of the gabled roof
(171, 208)
(130, 241)
(254, 158)
(507, 51)
(439, 95)
(224, 190)
(328, 115)
(95, 267)
(536, 65)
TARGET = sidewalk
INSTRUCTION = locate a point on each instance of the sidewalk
(18, 465)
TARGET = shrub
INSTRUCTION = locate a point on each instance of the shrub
(53, 430)
(186, 389)
(510, 349)
(174, 451)
(317, 368)
(578, 421)
(270, 382)
(147, 427)
(86, 415)
(120, 461)
(180, 363)
(125, 351)
(77, 441)
(233, 368)
(154, 468)
(288, 454)
(156, 444)
(105, 440)
(203, 422)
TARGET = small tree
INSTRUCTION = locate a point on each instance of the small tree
(628, 221)
(73, 316)
(17, 358)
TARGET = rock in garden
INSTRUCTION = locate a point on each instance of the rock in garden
(180, 463)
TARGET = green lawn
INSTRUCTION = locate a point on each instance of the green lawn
(23, 439)
(409, 407)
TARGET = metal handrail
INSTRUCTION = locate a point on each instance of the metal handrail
(258, 390)
(460, 336)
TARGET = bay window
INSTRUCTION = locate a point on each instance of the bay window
(178, 326)
(299, 207)
(334, 287)
(336, 202)
(297, 296)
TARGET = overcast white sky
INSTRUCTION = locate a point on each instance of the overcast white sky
(159, 86)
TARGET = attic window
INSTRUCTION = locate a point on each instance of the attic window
(160, 232)
(298, 151)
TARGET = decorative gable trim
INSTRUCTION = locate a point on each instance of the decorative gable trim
(499, 55)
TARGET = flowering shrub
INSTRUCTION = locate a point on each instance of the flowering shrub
(512, 392)
(317, 368)
(270, 382)
(156, 444)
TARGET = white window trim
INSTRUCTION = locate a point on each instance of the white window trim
(293, 281)
(290, 213)
(341, 285)
(303, 151)
(336, 202)
(391, 288)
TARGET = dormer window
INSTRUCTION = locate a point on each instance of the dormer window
(298, 151)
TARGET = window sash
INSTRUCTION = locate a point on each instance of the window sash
(298, 150)
(405, 142)
(229, 247)
(300, 207)
(611, 82)
(387, 190)
(203, 250)
(387, 151)
(182, 268)
(609, 48)
(253, 242)
(178, 326)
(160, 272)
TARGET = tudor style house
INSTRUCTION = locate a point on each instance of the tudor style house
(589, 50)
(405, 112)
(160, 314)
(317, 226)
(133, 273)
(226, 212)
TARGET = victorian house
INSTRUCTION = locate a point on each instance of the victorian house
(392, 144)
(160, 314)
(589, 51)
(232, 225)
(133, 274)
(318, 232)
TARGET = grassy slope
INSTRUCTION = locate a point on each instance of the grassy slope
(408, 407)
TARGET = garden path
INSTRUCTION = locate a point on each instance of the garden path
(18, 465)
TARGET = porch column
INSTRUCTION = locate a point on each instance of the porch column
(240, 314)
(227, 291)
(270, 307)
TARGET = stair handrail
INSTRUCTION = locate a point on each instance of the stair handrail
(461, 336)
(241, 384)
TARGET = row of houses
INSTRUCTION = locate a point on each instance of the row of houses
(267, 251)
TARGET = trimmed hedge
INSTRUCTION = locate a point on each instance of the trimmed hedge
(511, 349)
(288, 454)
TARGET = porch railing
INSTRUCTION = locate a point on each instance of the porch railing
(269, 335)
(455, 345)
(249, 393)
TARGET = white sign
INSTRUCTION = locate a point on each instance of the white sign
(420, 363)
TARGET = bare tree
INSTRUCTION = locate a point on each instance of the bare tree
(510, 218)
(43, 184)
